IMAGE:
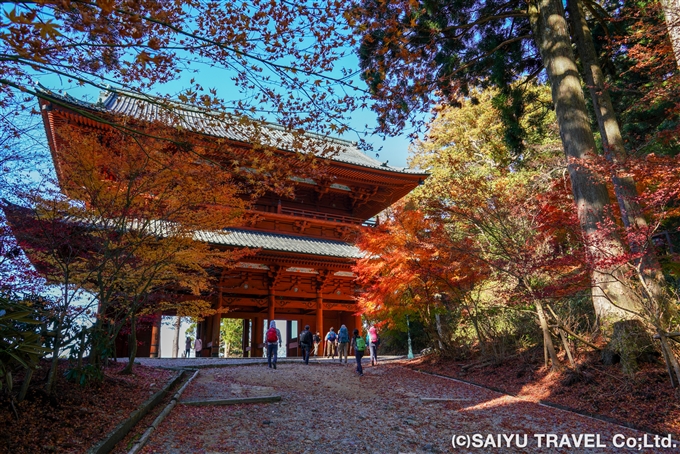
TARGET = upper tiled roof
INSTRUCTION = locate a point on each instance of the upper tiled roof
(279, 242)
(228, 127)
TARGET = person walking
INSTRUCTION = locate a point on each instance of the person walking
(359, 345)
(273, 340)
(373, 341)
(198, 346)
(187, 347)
(343, 343)
(306, 340)
(317, 341)
(331, 337)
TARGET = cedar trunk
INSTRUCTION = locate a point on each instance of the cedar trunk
(611, 299)
(615, 152)
(671, 9)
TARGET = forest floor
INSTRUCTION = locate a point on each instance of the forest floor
(646, 401)
(74, 417)
(325, 407)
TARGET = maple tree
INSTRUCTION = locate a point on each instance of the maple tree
(125, 229)
(406, 269)
(491, 223)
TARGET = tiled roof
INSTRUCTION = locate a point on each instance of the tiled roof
(228, 237)
(279, 242)
(225, 126)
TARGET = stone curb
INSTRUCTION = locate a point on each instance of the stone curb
(263, 362)
(236, 401)
(159, 419)
(122, 429)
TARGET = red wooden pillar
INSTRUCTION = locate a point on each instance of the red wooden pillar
(155, 350)
(319, 319)
(245, 339)
(258, 338)
(271, 306)
(217, 319)
(357, 324)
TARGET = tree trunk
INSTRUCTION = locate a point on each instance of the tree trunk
(547, 338)
(670, 360)
(671, 9)
(475, 324)
(132, 345)
(615, 153)
(54, 366)
(440, 335)
(630, 344)
(175, 340)
(611, 299)
(25, 384)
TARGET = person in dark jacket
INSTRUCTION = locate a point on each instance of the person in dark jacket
(187, 347)
(306, 341)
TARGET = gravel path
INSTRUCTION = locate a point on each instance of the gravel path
(326, 408)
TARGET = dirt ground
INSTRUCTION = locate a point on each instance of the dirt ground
(326, 408)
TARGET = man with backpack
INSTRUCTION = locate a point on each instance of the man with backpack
(343, 343)
(272, 337)
(331, 337)
(306, 340)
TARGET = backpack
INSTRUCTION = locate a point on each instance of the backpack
(304, 338)
(360, 344)
(343, 336)
(331, 336)
(374, 337)
(272, 337)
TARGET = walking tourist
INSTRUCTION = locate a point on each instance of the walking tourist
(306, 340)
(373, 343)
(331, 337)
(187, 347)
(359, 345)
(343, 343)
(198, 346)
(273, 341)
(317, 341)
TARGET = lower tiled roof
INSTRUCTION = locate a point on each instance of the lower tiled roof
(279, 242)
